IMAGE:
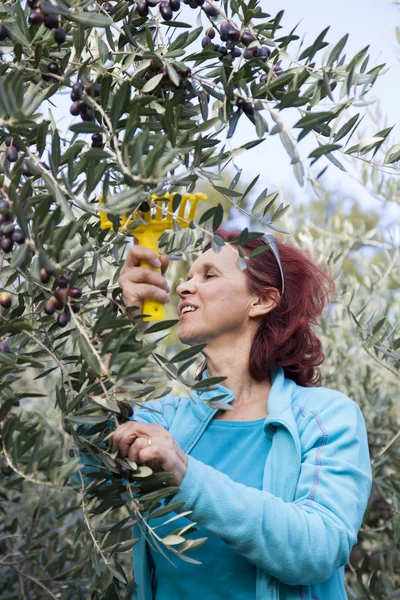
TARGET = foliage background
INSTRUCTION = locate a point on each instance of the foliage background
(47, 528)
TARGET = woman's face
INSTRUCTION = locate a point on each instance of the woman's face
(218, 288)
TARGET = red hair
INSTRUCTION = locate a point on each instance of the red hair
(285, 335)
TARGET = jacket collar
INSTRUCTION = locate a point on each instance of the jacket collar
(279, 401)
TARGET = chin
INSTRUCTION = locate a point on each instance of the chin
(189, 338)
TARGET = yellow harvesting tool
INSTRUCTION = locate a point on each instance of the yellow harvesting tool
(158, 216)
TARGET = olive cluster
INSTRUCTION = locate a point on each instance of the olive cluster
(9, 234)
(80, 105)
(58, 301)
(53, 21)
(167, 8)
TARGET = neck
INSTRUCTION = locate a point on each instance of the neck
(231, 360)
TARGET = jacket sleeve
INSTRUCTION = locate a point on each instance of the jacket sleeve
(304, 541)
(159, 412)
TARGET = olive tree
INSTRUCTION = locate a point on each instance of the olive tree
(157, 90)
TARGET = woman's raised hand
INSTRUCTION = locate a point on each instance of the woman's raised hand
(139, 282)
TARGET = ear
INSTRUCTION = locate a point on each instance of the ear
(262, 305)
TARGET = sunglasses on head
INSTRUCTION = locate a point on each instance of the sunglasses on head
(270, 241)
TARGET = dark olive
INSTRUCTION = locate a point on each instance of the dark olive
(142, 8)
(53, 21)
(230, 58)
(76, 92)
(248, 109)
(76, 307)
(12, 154)
(87, 116)
(3, 32)
(74, 109)
(205, 41)
(112, 306)
(4, 206)
(166, 10)
(82, 106)
(53, 68)
(63, 319)
(175, 5)
(18, 236)
(4, 347)
(97, 140)
(247, 37)
(36, 17)
(210, 33)
(277, 70)
(211, 11)
(26, 169)
(44, 276)
(248, 53)
(74, 292)
(62, 281)
(92, 89)
(61, 295)
(60, 36)
(6, 244)
(5, 300)
(49, 307)
(264, 53)
(236, 52)
(144, 207)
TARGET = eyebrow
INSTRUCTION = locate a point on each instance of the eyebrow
(205, 267)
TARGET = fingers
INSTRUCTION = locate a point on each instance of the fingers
(126, 435)
(139, 282)
(137, 253)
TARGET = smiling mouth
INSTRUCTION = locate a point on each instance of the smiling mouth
(189, 312)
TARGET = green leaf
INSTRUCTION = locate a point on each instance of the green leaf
(120, 102)
(86, 127)
(90, 19)
(264, 202)
(392, 155)
(344, 130)
(161, 326)
(314, 118)
(55, 153)
(323, 149)
(337, 50)
(189, 353)
(311, 51)
(173, 540)
(227, 191)
(88, 353)
(152, 83)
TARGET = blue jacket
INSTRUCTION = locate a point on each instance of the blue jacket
(300, 528)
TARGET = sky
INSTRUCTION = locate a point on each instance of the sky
(367, 22)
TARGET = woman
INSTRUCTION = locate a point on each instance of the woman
(280, 482)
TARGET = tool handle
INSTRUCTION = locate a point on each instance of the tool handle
(154, 308)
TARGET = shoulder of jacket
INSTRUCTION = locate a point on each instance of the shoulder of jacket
(315, 403)
(161, 411)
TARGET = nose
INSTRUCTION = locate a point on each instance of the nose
(185, 288)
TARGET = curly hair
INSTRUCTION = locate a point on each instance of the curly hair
(285, 336)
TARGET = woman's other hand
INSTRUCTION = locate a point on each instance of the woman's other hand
(139, 282)
(164, 454)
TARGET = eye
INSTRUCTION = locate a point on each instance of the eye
(209, 275)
